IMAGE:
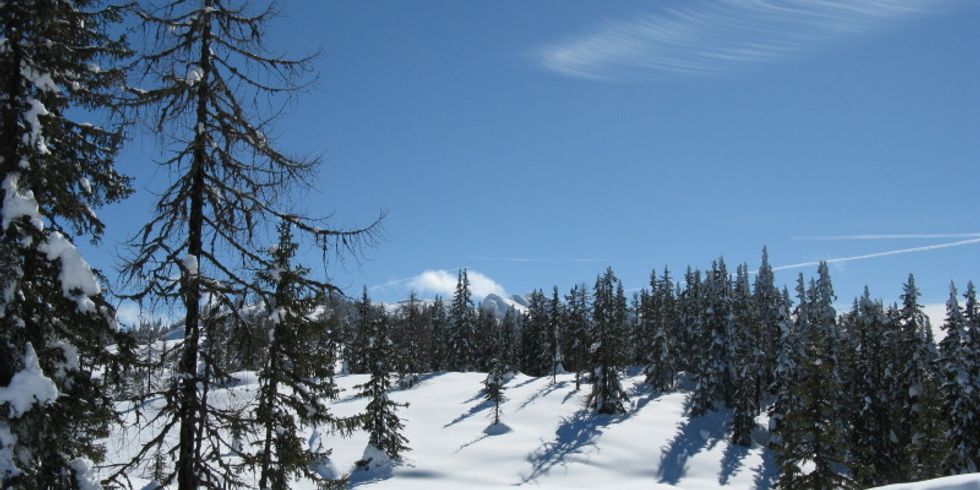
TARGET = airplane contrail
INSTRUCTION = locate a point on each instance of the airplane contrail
(886, 253)
(893, 236)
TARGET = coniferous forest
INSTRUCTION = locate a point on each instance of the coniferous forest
(851, 398)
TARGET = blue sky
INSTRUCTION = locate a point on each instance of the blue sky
(539, 142)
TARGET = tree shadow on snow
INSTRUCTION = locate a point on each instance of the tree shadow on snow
(643, 394)
(475, 409)
(693, 436)
(765, 473)
(574, 434)
(731, 461)
(418, 380)
(547, 390)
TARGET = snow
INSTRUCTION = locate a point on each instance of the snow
(190, 264)
(194, 75)
(7, 442)
(32, 115)
(28, 387)
(958, 482)
(17, 204)
(85, 477)
(76, 275)
(42, 81)
(546, 439)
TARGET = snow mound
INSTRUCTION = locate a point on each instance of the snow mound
(958, 482)
(497, 429)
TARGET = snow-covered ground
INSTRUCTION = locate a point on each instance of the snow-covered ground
(549, 440)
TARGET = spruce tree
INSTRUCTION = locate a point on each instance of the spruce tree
(462, 328)
(485, 337)
(556, 316)
(920, 432)
(438, 327)
(535, 354)
(785, 376)
(409, 338)
(812, 445)
(210, 88)
(357, 342)
(608, 326)
(576, 338)
(715, 375)
(656, 308)
(956, 389)
(766, 303)
(691, 315)
(60, 64)
(971, 356)
(296, 383)
(493, 384)
(744, 360)
(871, 442)
(508, 353)
(380, 419)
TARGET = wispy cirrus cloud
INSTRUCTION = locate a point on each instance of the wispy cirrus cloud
(704, 37)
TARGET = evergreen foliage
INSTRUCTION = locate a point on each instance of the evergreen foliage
(462, 353)
(59, 62)
(608, 328)
(206, 78)
(576, 337)
(296, 384)
(380, 419)
(536, 357)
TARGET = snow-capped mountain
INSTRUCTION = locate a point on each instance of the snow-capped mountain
(500, 305)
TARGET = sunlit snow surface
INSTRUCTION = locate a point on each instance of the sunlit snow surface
(547, 441)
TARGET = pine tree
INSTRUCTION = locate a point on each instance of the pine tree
(535, 353)
(745, 361)
(971, 356)
(462, 325)
(59, 63)
(576, 337)
(767, 302)
(409, 341)
(509, 327)
(438, 327)
(957, 389)
(785, 376)
(691, 312)
(207, 77)
(485, 337)
(870, 441)
(920, 433)
(493, 384)
(656, 329)
(296, 383)
(608, 325)
(357, 345)
(380, 419)
(811, 451)
(715, 376)
(555, 320)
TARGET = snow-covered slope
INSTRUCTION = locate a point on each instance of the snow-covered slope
(958, 482)
(549, 440)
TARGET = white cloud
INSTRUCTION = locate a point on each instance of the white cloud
(443, 282)
(705, 37)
